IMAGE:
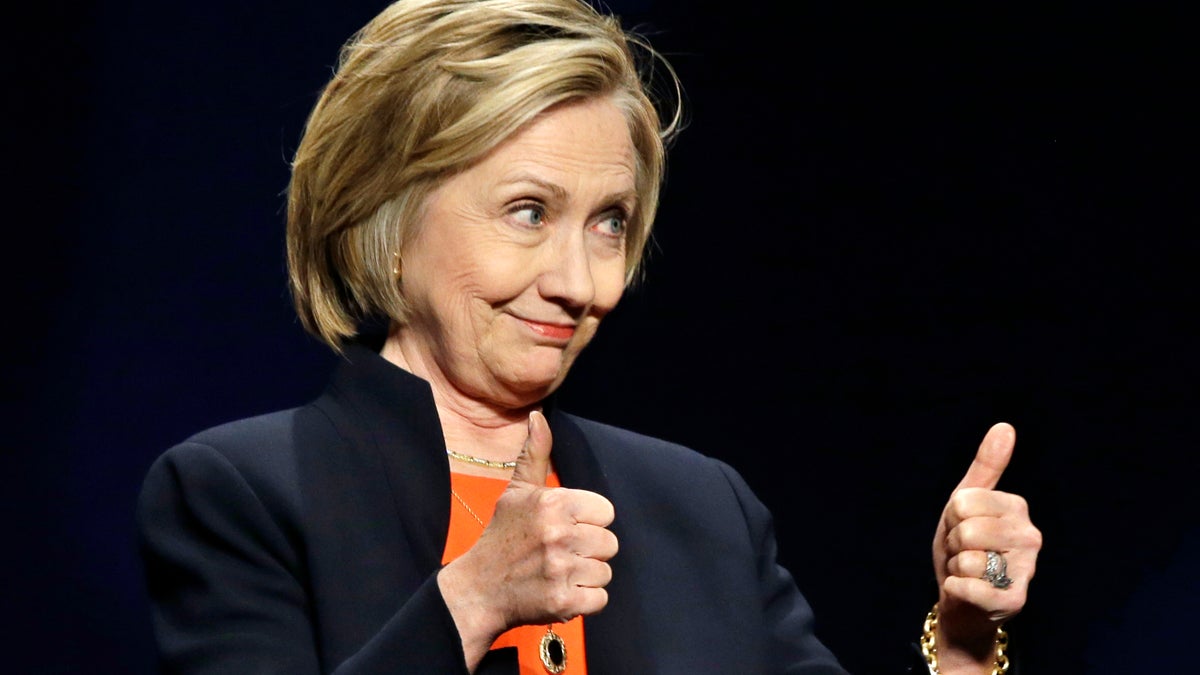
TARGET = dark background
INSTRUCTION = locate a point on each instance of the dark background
(884, 229)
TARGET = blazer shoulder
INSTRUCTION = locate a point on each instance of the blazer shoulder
(262, 451)
(262, 441)
(619, 444)
(650, 462)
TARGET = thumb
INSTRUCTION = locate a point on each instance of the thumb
(533, 464)
(991, 459)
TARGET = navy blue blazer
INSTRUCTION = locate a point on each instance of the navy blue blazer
(308, 541)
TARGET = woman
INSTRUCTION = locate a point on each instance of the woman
(483, 176)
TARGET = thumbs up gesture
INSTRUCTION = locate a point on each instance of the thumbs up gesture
(541, 559)
(973, 599)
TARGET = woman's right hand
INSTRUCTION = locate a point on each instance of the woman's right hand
(541, 559)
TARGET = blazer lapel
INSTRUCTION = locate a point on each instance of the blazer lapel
(397, 418)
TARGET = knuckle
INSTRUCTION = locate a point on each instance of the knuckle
(968, 532)
(549, 501)
(960, 501)
(959, 537)
(954, 541)
(1035, 538)
(559, 602)
(556, 567)
(506, 500)
(553, 536)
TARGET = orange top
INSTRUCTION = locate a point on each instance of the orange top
(481, 494)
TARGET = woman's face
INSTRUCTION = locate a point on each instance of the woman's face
(518, 258)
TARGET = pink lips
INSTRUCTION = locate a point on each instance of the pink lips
(551, 330)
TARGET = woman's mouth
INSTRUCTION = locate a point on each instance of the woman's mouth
(554, 331)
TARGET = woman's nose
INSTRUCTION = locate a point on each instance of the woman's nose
(567, 276)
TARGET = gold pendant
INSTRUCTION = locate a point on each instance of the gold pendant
(553, 651)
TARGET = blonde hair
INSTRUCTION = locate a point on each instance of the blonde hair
(423, 91)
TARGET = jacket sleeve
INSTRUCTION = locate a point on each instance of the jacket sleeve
(793, 644)
(226, 580)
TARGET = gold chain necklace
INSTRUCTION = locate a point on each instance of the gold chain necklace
(552, 649)
(471, 459)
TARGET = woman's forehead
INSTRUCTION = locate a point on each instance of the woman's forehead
(586, 142)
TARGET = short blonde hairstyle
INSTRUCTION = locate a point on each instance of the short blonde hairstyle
(423, 91)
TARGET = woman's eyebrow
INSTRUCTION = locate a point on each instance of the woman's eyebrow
(560, 193)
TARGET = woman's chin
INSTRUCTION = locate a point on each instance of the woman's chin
(532, 384)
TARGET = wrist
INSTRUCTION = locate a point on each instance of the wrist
(477, 622)
(948, 654)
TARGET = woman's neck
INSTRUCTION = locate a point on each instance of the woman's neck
(470, 426)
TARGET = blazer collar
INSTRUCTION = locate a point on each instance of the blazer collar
(396, 417)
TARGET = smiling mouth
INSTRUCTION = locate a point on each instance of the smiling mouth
(553, 331)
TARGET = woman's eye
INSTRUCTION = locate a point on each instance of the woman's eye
(613, 226)
(530, 215)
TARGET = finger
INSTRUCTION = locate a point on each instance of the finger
(978, 534)
(996, 603)
(991, 459)
(590, 573)
(970, 564)
(589, 507)
(992, 534)
(980, 502)
(569, 600)
(591, 601)
(594, 542)
(1018, 565)
(533, 464)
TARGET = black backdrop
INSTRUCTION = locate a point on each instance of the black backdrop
(884, 229)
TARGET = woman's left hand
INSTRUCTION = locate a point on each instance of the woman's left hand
(978, 519)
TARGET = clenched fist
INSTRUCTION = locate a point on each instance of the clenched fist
(541, 559)
(977, 519)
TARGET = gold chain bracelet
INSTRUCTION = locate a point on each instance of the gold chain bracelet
(929, 645)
